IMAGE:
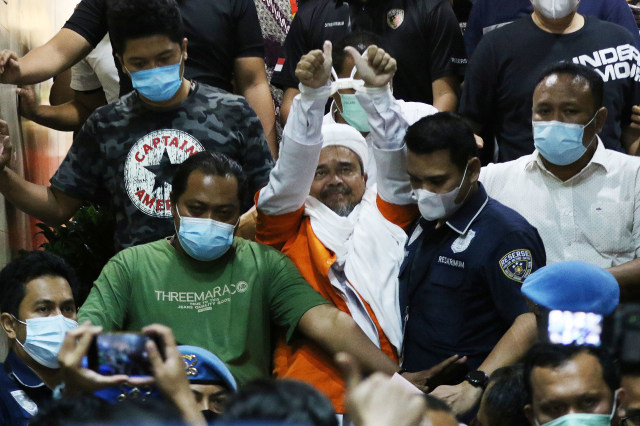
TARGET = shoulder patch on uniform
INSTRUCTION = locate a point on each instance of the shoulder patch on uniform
(395, 17)
(462, 242)
(516, 264)
(25, 402)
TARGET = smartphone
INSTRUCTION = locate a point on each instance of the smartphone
(574, 328)
(121, 353)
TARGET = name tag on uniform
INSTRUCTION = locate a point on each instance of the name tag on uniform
(444, 260)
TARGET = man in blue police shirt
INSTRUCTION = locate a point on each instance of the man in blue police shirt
(37, 307)
(467, 255)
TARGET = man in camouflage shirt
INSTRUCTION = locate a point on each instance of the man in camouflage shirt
(127, 151)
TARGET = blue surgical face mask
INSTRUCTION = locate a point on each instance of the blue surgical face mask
(44, 338)
(353, 113)
(204, 239)
(560, 143)
(158, 84)
(584, 419)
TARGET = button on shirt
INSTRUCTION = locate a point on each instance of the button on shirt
(460, 283)
(21, 392)
(594, 216)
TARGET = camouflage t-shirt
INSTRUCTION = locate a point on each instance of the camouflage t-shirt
(127, 153)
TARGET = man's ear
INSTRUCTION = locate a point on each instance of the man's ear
(621, 397)
(185, 56)
(474, 169)
(8, 324)
(528, 412)
(601, 117)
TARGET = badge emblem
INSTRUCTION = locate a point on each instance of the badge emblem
(190, 362)
(25, 402)
(395, 17)
(516, 264)
(462, 242)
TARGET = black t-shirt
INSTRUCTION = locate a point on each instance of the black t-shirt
(502, 75)
(218, 32)
(423, 36)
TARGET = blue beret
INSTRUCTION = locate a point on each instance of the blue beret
(573, 286)
(204, 367)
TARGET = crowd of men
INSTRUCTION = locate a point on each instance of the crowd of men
(461, 234)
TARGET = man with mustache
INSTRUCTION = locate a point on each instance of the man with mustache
(326, 220)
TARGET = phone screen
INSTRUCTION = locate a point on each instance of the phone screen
(120, 353)
(580, 328)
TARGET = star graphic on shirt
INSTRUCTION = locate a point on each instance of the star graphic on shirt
(163, 171)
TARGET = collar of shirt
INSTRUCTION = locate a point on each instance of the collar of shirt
(462, 219)
(600, 158)
(19, 371)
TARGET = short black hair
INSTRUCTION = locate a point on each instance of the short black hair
(506, 397)
(443, 131)
(281, 401)
(132, 19)
(589, 75)
(554, 355)
(211, 164)
(360, 40)
(31, 265)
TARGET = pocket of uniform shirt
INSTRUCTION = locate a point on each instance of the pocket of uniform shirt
(451, 277)
(610, 227)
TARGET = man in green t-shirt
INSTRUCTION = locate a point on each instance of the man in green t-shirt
(219, 292)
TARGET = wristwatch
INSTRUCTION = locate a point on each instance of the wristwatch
(477, 378)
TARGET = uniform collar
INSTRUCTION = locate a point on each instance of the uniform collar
(19, 371)
(462, 219)
(599, 158)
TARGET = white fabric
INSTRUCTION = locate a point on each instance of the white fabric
(594, 216)
(368, 247)
(338, 134)
(97, 70)
(370, 250)
(410, 111)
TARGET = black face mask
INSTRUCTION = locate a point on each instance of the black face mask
(210, 416)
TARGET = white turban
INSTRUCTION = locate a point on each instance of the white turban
(337, 134)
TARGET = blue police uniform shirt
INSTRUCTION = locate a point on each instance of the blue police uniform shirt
(460, 283)
(21, 392)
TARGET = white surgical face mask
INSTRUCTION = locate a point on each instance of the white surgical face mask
(44, 338)
(435, 206)
(555, 9)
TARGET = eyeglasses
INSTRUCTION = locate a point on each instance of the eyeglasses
(632, 418)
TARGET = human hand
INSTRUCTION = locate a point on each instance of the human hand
(314, 68)
(9, 67)
(78, 379)
(377, 69)
(5, 145)
(635, 117)
(462, 398)
(377, 400)
(169, 373)
(424, 380)
(28, 102)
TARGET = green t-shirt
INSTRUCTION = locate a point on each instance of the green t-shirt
(226, 306)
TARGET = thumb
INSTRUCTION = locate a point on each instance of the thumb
(350, 370)
(358, 60)
(326, 49)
